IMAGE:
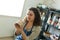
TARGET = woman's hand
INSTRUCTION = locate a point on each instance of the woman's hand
(17, 32)
(20, 29)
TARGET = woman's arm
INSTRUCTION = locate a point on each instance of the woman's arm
(35, 33)
(20, 30)
(24, 36)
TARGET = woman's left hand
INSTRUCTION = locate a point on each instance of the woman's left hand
(20, 29)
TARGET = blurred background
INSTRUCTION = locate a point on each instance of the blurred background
(13, 10)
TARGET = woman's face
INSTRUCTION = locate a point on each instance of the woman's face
(30, 15)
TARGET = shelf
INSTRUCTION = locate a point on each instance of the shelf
(53, 26)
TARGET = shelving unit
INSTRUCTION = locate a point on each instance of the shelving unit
(49, 24)
(53, 23)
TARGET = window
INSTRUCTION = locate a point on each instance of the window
(11, 7)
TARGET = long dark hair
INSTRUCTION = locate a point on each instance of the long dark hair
(37, 20)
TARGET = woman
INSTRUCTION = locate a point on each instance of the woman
(32, 23)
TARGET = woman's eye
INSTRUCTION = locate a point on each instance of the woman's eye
(30, 14)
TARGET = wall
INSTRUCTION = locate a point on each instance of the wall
(52, 3)
(7, 25)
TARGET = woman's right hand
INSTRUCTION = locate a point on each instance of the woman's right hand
(17, 32)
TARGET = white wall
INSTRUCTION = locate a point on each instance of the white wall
(56, 4)
(52, 3)
(7, 25)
